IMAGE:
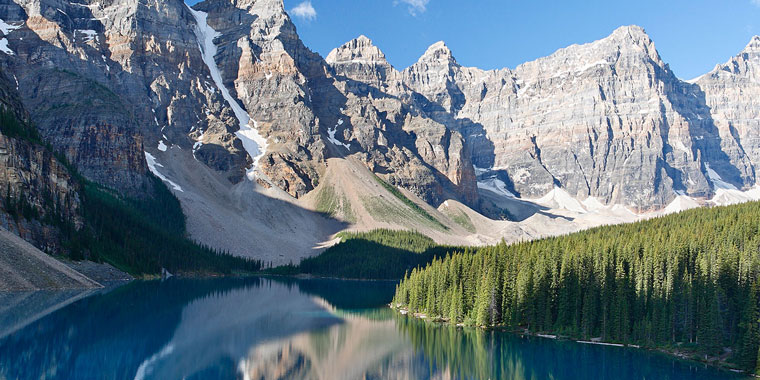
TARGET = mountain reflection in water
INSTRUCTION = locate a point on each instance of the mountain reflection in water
(260, 328)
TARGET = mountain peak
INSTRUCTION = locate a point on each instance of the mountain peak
(276, 4)
(438, 52)
(631, 36)
(631, 33)
(248, 4)
(753, 46)
(358, 49)
(262, 9)
(438, 48)
(364, 40)
(630, 42)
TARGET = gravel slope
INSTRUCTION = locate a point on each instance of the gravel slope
(24, 267)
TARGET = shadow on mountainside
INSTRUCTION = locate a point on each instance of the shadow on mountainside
(72, 104)
(78, 107)
(708, 140)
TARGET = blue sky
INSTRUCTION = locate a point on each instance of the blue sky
(691, 35)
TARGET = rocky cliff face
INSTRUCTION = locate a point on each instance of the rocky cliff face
(393, 129)
(730, 91)
(103, 79)
(607, 120)
(365, 65)
(106, 82)
(311, 109)
(36, 188)
(267, 67)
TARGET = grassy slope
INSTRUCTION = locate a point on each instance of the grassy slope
(378, 208)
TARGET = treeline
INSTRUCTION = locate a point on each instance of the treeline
(690, 279)
(377, 254)
(139, 236)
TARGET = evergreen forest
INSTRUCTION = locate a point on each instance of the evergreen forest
(689, 280)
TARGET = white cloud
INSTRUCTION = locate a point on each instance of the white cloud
(420, 6)
(756, 2)
(306, 11)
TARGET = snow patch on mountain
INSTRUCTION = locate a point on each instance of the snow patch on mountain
(253, 142)
(726, 193)
(717, 181)
(153, 166)
(89, 34)
(4, 47)
(331, 136)
(7, 28)
(495, 185)
(561, 199)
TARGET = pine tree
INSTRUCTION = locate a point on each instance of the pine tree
(750, 332)
(482, 302)
(430, 299)
(456, 313)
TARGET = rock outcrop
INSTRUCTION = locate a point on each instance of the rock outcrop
(607, 120)
(108, 82)
(103, 79)
(265, 64)
(36, 189)
(365, 65)
(311, 109)
(732, 93)
(417, 150)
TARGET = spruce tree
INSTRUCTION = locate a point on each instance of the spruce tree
(750, 341)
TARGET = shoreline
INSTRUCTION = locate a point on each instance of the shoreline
(307, 276)
(679, 355)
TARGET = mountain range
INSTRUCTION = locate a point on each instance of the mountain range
(272, 149)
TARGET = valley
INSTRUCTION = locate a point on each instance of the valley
(589, 194)
(256, 134)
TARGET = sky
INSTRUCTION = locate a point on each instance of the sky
(691, 35)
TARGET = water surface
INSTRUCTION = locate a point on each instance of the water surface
(260, 328)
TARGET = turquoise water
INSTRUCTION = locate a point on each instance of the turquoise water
(262, 328)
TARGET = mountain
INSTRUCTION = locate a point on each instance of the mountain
(729, 92)
(272, 149)
(101, 78)
(607, 120)
(310, 113)
(39, 196)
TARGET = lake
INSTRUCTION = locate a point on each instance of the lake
(262, 328)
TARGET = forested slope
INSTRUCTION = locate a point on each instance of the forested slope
(377, 254)
(690, 279)
(141, 235)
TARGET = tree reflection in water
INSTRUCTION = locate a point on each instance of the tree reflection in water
(288, 329)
